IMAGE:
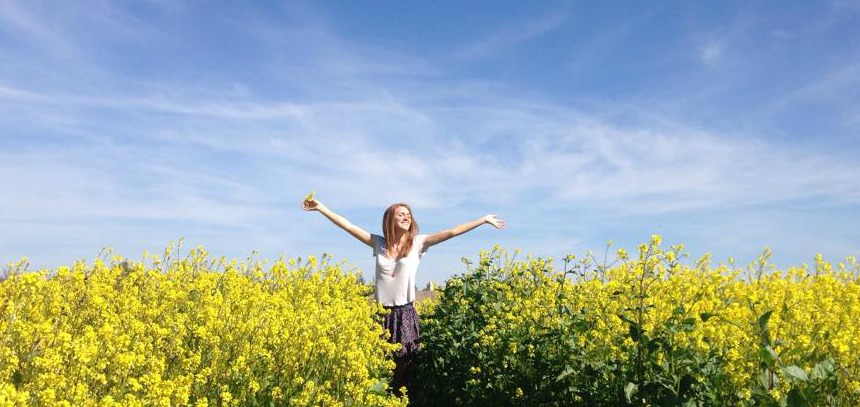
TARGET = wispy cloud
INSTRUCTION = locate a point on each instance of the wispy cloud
(839, 85)
(574, 156)
(20, 20)
(505, 38)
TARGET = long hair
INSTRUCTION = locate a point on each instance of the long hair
(389, 225)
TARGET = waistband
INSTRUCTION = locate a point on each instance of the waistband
(407, 305)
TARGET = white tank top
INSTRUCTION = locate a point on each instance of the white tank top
(395, 279)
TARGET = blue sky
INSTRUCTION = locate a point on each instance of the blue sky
(726, 126)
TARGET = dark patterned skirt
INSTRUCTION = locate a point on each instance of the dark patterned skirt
(401, 322)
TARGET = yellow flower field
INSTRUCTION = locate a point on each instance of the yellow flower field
(643, 330)
(191, 331)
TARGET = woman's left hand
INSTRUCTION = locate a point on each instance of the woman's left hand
(495, 221)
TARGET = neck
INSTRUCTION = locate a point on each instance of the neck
(397, 243)
(399, 237)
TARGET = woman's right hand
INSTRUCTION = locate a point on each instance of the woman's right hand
(311, 204)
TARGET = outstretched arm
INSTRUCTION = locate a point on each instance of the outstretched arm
(314, 205)
(458, 230)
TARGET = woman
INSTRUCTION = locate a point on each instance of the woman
(398, 252)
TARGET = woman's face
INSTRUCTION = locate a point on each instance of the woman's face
(402, 218)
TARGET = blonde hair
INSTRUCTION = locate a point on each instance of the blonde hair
(389, 226)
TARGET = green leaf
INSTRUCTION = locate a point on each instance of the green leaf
(580, 326)
(795, 399)
(635, 332)
(626, 319)
(378, 388)
(670, 326)
(706, 316)
(795, 372)
(688, 324)
(768, 355)
(652, 345)
(629, 390)
(823, 370)
(764, 319)
(768, 379)
(565, 373)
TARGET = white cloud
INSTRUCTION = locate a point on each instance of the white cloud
(351, 147)
(20, 95)
(710, 53)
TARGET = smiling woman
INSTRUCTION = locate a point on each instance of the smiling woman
(398, 252)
